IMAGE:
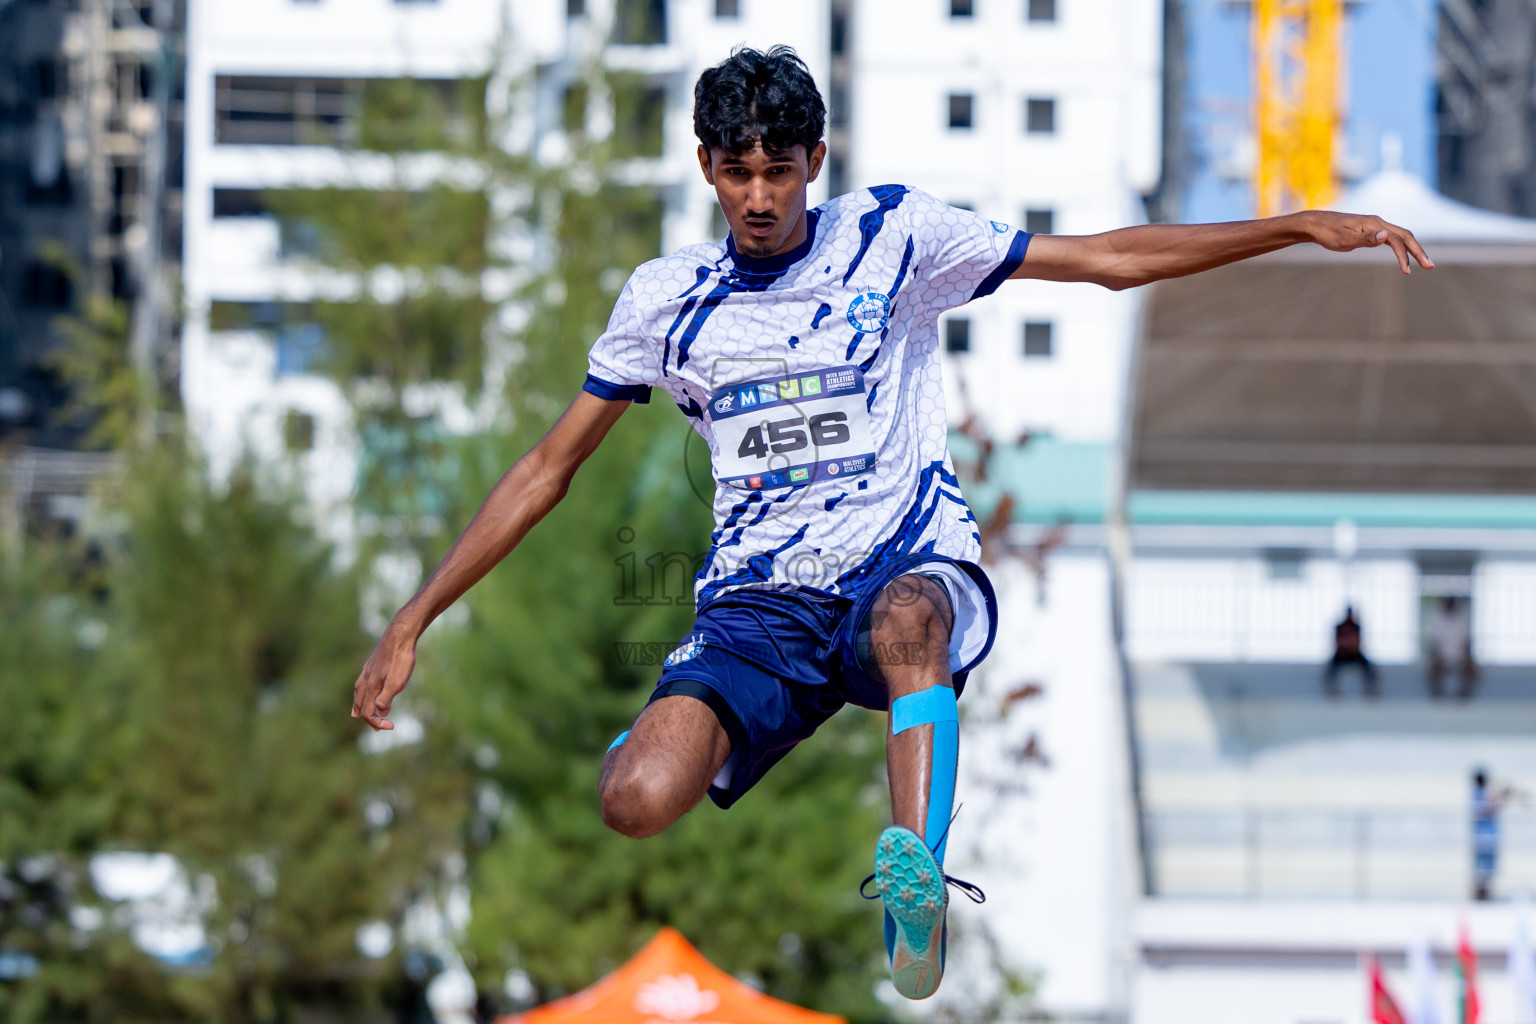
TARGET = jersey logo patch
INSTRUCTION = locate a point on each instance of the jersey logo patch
(725, 401)
(999, 227)
(870, 312)
(691, 647)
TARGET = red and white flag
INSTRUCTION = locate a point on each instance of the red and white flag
(1466, 978)
(1383, 1007)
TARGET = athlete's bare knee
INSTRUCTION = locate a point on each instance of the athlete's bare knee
(911, 606)
(664, 766)
(909, 629)
(638, 804)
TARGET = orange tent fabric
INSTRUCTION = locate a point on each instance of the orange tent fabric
(670, 982)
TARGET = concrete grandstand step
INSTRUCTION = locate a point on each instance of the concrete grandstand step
(1256, 783)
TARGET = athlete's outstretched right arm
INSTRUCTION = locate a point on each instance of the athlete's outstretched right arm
(534, 485)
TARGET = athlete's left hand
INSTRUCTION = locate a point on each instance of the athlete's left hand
(385, 675)
(1343, 232)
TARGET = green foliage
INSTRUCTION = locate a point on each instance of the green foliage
(639, 113)
(407, 115)
(433, 335)
(437, 227)
(56, 803)
(106, 392)
(640, 22)
(182, 697)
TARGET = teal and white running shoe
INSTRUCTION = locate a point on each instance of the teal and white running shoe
(912, 886)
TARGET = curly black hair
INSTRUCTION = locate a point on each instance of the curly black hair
(753, 97)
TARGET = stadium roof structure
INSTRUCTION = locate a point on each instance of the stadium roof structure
(1307, 370)
(670, 982)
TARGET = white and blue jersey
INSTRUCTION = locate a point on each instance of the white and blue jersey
(814, 377)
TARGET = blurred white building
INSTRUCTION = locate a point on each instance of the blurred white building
(1312, 431)
(274, 93)
(1044, 115)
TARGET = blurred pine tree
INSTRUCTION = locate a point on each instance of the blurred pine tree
(180, 697)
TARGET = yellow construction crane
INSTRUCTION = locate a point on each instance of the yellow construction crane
(1297, 57)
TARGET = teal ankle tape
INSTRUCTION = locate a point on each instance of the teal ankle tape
(934, 706)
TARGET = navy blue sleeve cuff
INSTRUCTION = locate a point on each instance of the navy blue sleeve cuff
(639, 393)
(1005, 269)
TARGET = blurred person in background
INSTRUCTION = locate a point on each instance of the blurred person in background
(844, 568)
(1486, 806)
(1449, 637)
(1348, 651)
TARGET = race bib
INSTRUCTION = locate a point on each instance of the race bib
(795, 429)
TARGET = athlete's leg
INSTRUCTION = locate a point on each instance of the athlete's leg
(909, 652)
(662, 767)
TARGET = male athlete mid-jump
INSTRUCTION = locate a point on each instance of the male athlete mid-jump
(842, 568)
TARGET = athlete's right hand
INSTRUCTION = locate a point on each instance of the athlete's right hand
(384, 676)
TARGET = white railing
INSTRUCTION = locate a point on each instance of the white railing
(1236, 609)
(1361, 855)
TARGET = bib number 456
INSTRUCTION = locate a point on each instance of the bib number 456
(785, 436)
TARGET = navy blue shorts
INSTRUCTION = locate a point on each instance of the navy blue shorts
(774, 664)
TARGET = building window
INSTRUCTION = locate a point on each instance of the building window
(837, 174)
(280, 111)
(301, 239)
(573, 108)
(1040, 10)
(299, 431)
(640, 22)
(575, 8)
(961, 8)
(1284, 563)
(47, 78)
(120, 279)
(639, 115)
(284, 111)
(839, 31)
(957, 334)
(961, 204)
(45, 286)
(58, 192)
(300, 347)
(1040, 116)
(238, 202)
(727, 8)
(227, 315)
(1037, 339)
(1039, 222)
(837, 102)
(960, 109)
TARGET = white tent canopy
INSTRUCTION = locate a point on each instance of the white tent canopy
(1401, 198)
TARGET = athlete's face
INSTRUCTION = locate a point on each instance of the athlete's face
(763, 194)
